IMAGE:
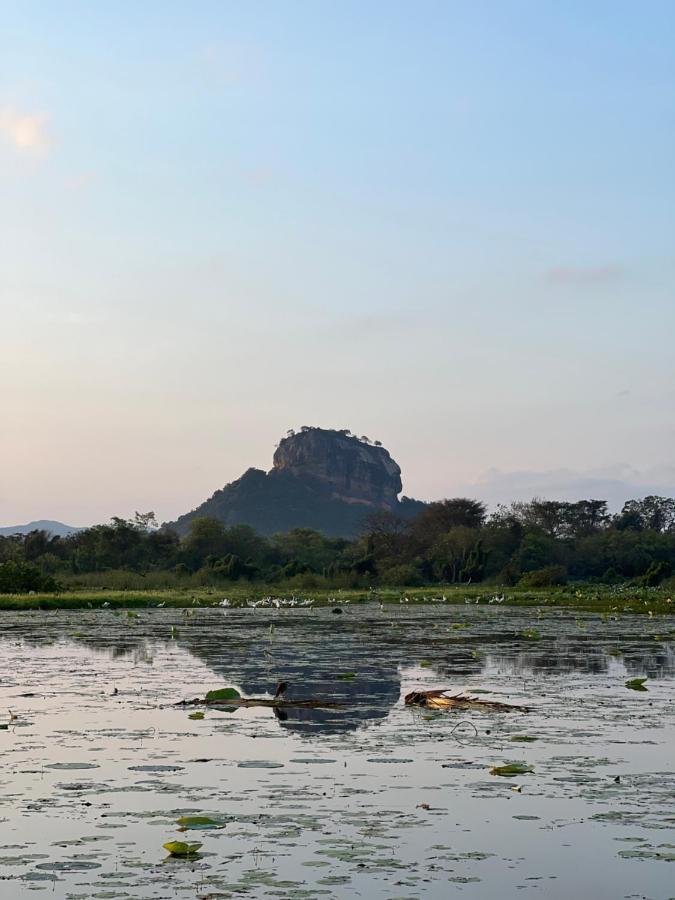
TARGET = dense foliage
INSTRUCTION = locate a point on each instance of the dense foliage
(536, 544)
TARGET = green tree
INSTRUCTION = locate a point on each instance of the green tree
(308, 548)
(206, 537)
(649, 514)
(438, 518)
(457, 555)
(21, 577)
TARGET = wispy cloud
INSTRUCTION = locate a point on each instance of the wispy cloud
(582, 276)
(373, 326)
(229, 64)
(616, 484)
(28, 133)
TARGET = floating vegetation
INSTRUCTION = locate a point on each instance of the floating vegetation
(221, 695)
(512, 769)
(230, 698)
(199, 823)
(180, 848)
(443, 699)
(636, 684)
(532, 634)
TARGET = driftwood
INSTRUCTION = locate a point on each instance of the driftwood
(275, 703)
(441, 699)
(263, 701)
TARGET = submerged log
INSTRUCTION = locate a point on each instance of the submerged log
(441, 699)
(270, 703)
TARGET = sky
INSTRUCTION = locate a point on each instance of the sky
(446, 225)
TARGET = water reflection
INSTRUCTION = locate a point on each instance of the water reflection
(315, 652)
(314, 673)
(563, 658)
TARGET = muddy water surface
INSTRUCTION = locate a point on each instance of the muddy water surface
(371, 799)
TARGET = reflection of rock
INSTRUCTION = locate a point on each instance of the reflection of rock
(312, 666)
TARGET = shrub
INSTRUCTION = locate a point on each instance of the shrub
(402, 576)
(549, 576)
(656, 573)
(20, 577)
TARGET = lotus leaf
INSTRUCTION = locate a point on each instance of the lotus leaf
(201, 823)
(511, 769)
(223, 694)
(180, 848)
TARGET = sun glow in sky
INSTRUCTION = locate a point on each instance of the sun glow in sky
(446, 225)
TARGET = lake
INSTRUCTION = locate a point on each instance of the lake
(368, 798)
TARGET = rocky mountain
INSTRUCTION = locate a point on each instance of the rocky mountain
(342, 466)
(322, 479)
(54, 528)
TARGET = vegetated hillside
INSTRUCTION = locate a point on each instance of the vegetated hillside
(323, 479)
(58, 529)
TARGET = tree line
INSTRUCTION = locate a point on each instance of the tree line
(534, 544)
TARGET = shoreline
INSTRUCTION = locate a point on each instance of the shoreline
(604, 599)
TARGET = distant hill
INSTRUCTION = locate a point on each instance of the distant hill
(322, 479)
(54, 528)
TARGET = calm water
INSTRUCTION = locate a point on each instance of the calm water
(371, 800)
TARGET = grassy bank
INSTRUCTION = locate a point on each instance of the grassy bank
(597, 598)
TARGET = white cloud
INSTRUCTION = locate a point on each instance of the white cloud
(28, 133)
(616, 484)
(584, 276)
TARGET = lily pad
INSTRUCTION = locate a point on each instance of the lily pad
(347, 676)
(390, 760)
(524, 738)
(199, 823)
(531, 634)
(223, 694)
(69, 865)
(511, 769)
(180, 848)
(636, 684)
(196, 715)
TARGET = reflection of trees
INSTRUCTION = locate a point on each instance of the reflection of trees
(656, 663)
(557, 657)
(458, 661)
(565, 657)
(114, 642)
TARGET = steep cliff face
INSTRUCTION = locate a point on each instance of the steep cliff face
(321, 479)
(341, 466)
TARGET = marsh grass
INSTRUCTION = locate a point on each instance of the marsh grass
(606, 600)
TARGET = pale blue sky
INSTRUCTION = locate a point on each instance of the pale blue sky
(447, 225)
